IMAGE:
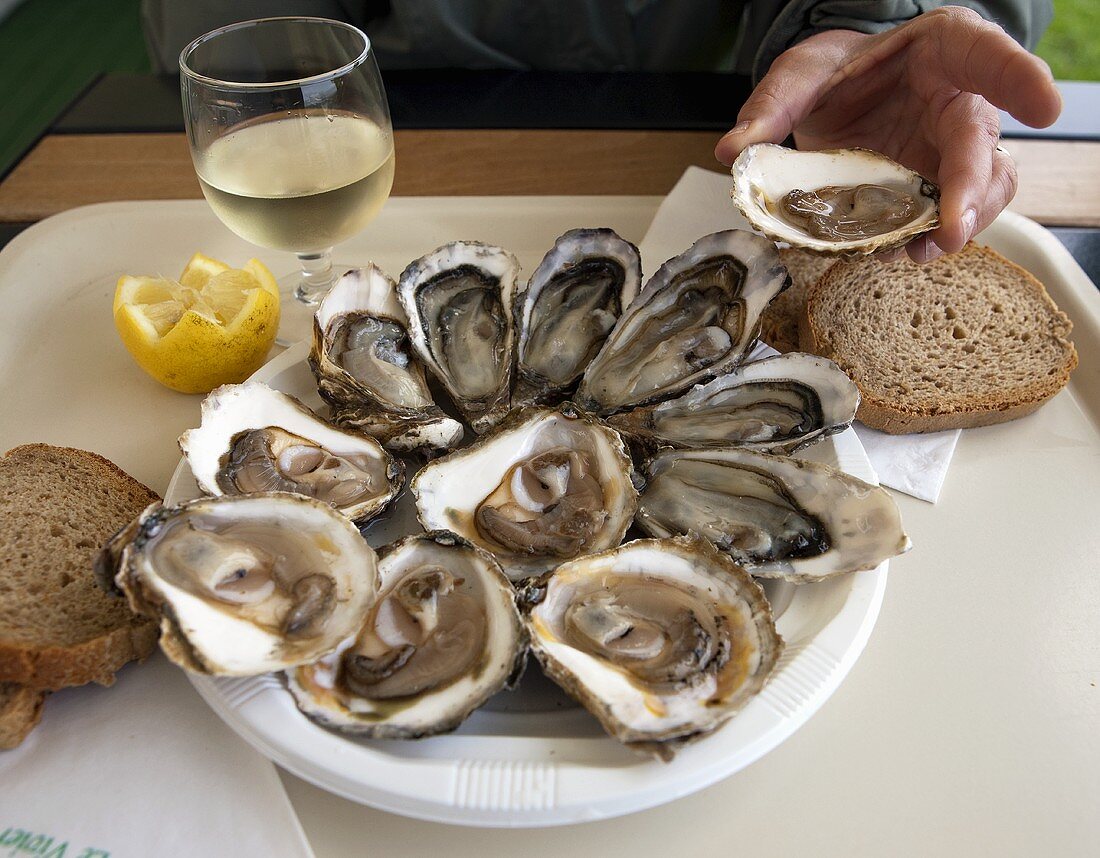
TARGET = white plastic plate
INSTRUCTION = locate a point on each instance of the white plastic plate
(531, 757)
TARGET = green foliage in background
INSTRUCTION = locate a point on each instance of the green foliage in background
(52, 49)
(1072, 44)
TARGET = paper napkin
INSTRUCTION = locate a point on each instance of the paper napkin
(700, 204)
(142, 768)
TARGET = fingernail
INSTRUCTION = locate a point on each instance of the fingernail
(970, 224)
(925, 250)
(739, 128)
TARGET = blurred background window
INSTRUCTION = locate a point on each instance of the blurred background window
(52, 50)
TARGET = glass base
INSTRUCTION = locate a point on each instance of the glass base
(296, 315)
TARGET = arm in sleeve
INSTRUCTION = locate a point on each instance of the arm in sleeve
(772, 26)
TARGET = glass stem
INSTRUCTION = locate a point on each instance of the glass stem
(317, 277)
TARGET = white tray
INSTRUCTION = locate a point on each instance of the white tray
(974, 706)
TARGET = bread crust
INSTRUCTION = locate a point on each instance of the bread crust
(45, 665)
(20, 712)
(894, 417)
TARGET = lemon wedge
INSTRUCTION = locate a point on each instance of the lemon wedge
(215, 325)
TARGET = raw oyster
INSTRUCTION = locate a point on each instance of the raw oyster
(777, 404)
(366, 370)
(780, 517)
(845, 202)
(443, 636)
(569, 307)
(458, 299)
(244, 584)
(545, 486)
(663, 640)
(695, 318)
(255, 439)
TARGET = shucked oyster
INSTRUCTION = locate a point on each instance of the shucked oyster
(458, 299)
(780, 517)
(365, 367)
(695, 318)
(243, 585)
(569, 307)
(546, 486)
(837, 201)
(663, 640)
(255, 439)
(776, 404)
(443, 636)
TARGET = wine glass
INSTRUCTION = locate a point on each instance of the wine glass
(291, 139)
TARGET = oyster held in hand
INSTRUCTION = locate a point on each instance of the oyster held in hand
(838, 202)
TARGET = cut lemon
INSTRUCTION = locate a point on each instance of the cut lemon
(213, 326)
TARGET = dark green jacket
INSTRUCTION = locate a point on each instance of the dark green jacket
(585, 35)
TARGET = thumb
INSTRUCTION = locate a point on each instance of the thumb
(792, 88)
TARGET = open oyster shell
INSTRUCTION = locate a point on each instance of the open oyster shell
(545, 486)
(778, 404)
(443, 636)
(779, 517)
(458, 300)
(663, 640)
(245, 584)
(255, 439)
(695, 318)
(366, 370)
(570, 305)
(764, 174)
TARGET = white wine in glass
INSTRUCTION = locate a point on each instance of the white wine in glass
(290, 163)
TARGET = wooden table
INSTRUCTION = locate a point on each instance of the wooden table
(1058, 180)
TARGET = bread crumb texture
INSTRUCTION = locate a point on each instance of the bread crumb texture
(58, 506)
(779, 324)
(967, 340)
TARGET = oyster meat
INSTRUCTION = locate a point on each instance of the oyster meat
(697, 317)
(663, 640)
(244, 584)
(569, 307)
(844, 202)
(366, 370)
(546, 486)
(256, 439)
(443, 636)
(780, 517)
(777, 404)
(458, 300)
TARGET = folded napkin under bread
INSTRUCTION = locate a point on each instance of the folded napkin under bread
(700, 204)
(142, 768)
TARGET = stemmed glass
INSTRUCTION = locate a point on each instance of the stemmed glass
(291, 139)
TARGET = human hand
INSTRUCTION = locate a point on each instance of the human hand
(925, 93)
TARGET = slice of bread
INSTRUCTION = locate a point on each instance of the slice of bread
(20, 711)
(968, 340)
(779, 325)
(57, 628)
